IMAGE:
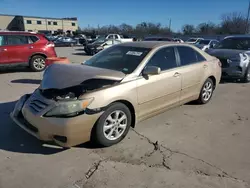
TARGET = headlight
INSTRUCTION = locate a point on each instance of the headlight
(244, 59)
(99, 48)
(69, 108)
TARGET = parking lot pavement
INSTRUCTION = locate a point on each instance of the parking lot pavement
(189, 146)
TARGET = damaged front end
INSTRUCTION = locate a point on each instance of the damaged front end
(70, 101)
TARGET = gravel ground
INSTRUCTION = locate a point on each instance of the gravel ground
(189, 146)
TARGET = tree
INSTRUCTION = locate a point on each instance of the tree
(207, 28)
(233, 23)
(188, 29)
(126, 29)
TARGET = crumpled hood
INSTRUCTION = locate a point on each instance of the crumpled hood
(224, 53)
(60, 76)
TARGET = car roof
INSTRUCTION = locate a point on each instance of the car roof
(238, 36)
(151, 44)
(18, 33)
(158, 44)
(210, 39)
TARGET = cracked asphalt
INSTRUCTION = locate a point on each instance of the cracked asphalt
(188, 146)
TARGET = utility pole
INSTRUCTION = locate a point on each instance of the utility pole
(247, 24)
(169, 26)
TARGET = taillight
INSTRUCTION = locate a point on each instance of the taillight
(50, 44)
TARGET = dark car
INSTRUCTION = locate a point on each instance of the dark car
(65, 41)
(25, 49)
(158, 39)
(233, 53)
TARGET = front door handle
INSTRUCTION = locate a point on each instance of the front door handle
(176, 74)
(31, 47)
(205, 66)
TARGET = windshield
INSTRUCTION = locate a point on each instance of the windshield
(119, 58)
(191, 40)
(239, 43)
(204, 42)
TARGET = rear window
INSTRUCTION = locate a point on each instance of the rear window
(33, 39)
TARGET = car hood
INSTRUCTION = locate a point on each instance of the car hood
(60, 76)
(224, 53)
(93, 45)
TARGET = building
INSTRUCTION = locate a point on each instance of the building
(37, 24)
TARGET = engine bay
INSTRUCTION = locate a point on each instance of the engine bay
(76, 91)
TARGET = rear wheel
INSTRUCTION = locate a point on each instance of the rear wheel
(37, 63)
(206, 92)
(113, 126)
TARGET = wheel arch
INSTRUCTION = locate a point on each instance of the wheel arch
(35, 54)
(131, 109)
(214, 80)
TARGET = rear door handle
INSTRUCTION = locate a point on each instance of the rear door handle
(176, 74)
(205, 66)
(31, 47)
(4, 50)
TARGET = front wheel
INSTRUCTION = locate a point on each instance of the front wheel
(206, 91)
(37, 63)
(113, 126)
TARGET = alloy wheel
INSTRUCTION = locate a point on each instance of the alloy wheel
(115, 125)
(39, 63)
(207, 91)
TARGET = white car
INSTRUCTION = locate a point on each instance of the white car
(119, 37)
(206, 44)
(178, 40)
(194, 40)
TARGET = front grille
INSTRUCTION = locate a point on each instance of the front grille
(37, 105)
(224, 63)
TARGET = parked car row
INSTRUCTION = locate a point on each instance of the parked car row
(31, 49)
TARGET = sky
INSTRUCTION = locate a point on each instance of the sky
(105, 12)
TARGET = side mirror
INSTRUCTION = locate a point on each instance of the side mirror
(151, 70)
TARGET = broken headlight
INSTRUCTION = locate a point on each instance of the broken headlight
(69, 107)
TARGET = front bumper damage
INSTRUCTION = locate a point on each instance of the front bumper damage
(29, 115)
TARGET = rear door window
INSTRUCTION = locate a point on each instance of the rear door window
(17, 40)
(33, 39)
(189, 56)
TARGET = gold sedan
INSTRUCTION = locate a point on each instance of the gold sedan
(118, 87)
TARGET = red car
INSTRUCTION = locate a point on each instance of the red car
(24, 48)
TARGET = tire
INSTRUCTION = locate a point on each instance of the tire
(246, 78)
(37, 63)
(206, 92)
(101, 137)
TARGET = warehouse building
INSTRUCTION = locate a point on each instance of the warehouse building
(37, 24)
